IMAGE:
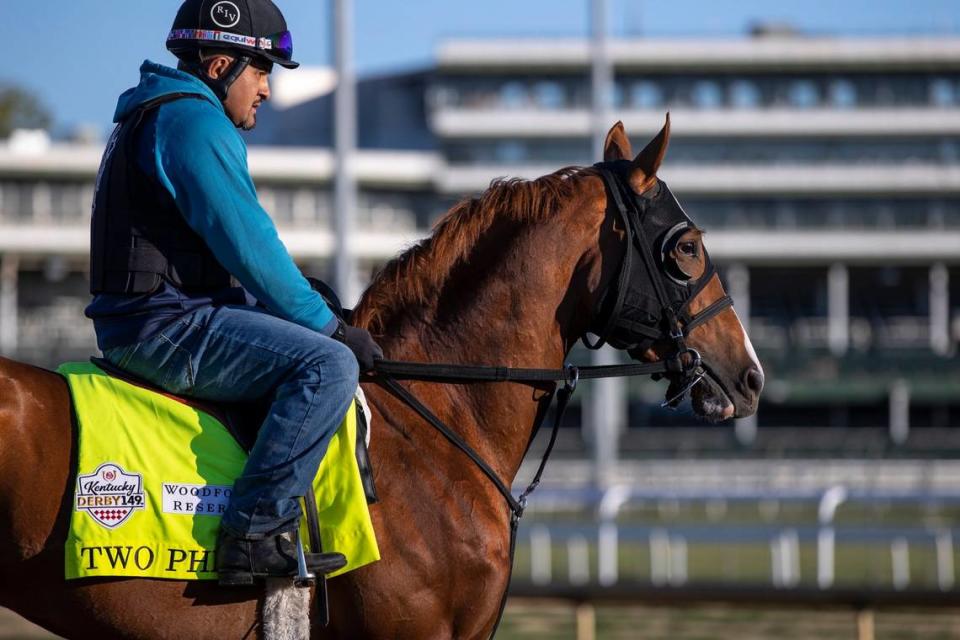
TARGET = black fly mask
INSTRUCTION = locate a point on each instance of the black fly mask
(650, 299)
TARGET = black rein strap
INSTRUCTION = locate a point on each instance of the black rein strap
(387, 372)
(401, 392)
(679, 324)
(474, 373)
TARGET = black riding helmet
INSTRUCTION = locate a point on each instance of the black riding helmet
(248, 28)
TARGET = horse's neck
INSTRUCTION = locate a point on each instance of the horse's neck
(506, 310)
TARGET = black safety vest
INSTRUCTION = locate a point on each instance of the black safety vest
(139, 239)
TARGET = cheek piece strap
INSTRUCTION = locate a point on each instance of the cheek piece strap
(670, 317)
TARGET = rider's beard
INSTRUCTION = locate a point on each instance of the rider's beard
(249, 122)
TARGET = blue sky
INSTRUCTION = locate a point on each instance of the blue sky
(78, 55)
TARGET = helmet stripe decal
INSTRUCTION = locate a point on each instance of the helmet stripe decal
(220, 36)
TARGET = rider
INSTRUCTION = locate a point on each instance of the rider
(193, 289)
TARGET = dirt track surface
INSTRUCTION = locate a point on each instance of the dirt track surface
(546, 620)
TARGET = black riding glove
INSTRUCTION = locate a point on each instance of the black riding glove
(361, 343)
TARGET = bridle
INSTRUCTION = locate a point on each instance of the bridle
(624, 319)
(629, 318)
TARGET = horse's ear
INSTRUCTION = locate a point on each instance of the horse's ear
(617, 146)
(645, 165)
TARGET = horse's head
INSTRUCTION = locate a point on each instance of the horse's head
(663, 300)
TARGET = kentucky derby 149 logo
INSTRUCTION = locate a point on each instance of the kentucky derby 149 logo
(110, 494)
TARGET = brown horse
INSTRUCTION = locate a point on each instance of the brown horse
(511, 278)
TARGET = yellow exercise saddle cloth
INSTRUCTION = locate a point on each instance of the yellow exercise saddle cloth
(155, 475)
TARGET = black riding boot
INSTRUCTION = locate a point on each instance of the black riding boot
(240, 561)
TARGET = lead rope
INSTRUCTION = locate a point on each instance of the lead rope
(517, 505)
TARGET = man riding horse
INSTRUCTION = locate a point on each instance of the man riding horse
(193, 289)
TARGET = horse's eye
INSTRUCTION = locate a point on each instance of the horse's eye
(688, 249)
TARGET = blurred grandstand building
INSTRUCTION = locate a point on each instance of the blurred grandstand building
(826, 170)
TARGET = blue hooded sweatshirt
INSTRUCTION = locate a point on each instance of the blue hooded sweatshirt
(192, 148)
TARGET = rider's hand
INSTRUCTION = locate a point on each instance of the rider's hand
(361, 343)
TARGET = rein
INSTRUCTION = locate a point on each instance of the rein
(677, 322)
(388, 372)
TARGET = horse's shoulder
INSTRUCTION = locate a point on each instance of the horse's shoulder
(35, 452)
(34, 411)
(23, 385)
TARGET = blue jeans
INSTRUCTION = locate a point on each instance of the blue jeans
(231, 354)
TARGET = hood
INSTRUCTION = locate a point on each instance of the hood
(157, 80)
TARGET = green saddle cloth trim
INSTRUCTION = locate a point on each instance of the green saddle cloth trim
(155, 475)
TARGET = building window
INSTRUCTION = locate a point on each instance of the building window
(744, 95)
(646, 95)
(283, 206)
(267, 198)
(706, 94)
(549, 95)
(618, 98)
(513, 95)
(942, 93)
(385, 212)
(511, 152)
(949, 151)
(304, 209)
(886, 93)
(803, 94)
(439, 97)
(843, 94)
(18, 201)
(67, 203)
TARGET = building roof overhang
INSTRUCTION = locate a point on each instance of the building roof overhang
(794, 53)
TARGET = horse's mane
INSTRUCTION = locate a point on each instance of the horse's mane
(413, 277)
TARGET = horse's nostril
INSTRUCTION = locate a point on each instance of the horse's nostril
(754, 380)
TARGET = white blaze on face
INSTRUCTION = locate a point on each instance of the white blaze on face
(748, 345)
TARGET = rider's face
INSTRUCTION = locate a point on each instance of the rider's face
(246, 94)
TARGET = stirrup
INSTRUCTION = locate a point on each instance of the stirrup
(311, 564)
(304, 577)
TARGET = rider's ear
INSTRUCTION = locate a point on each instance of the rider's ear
(217, 65)
(617, 146)
(645, 166)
